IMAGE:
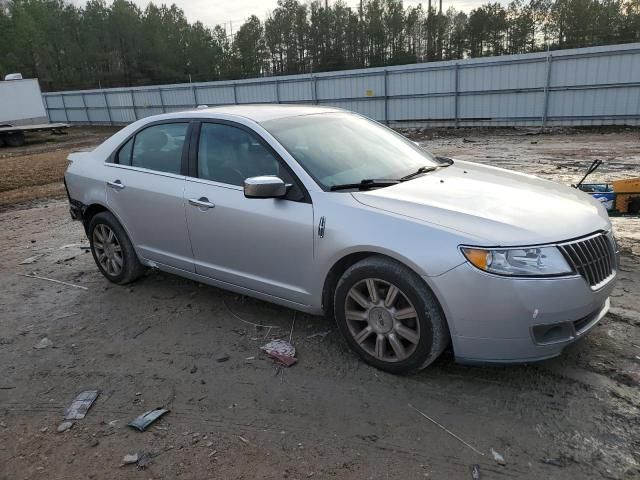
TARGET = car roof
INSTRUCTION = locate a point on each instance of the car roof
(263, 112)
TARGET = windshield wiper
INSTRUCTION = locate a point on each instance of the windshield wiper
(444, 162)
(365, 184)
(420, 171)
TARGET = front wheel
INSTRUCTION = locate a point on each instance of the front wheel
(389, 316)
(112, 250)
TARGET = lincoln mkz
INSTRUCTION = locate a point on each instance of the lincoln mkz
(325, 211)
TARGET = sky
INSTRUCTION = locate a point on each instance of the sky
(214, 12)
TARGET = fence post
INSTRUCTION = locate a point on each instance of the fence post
(235, 94)
(46, 107)
(546, 91)
(164, 110)
(106, 104)
(195, 96)
(457, 97)
(133, 105)
(314, 89)
(86, 110)
(277, 91)
(386, 97)
(64, 107)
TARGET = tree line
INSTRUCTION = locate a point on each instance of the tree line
(119, 44)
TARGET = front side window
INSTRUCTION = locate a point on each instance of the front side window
(158, 147)
(228, 154)
(342, 148)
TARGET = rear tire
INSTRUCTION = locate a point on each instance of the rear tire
(389, 316)
(112, 250)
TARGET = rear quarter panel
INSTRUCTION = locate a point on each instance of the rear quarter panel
(85, 178)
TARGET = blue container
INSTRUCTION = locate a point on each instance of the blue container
(606, 198)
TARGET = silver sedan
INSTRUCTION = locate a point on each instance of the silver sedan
(325, 211)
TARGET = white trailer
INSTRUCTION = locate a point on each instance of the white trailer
(22, 110)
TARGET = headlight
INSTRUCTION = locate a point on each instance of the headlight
(528, 261)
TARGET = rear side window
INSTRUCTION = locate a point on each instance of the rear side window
(157, 148)
(124, 155)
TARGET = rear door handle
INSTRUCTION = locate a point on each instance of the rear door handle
(116, 185)
(202, 202)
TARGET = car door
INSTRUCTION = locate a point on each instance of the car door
(145, 190)
(265, 245)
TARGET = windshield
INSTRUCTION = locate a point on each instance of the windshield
(342, 148)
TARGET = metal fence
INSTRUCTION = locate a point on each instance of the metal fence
(586, 86)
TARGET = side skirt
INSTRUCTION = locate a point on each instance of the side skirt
(234, 288)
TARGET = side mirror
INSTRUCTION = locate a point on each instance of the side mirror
(264, 187)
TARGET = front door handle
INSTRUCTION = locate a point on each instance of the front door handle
(116, 185)
(202, 202)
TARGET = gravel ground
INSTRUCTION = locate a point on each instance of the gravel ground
(161, 342)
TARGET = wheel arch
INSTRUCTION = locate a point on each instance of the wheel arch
(93, 209)
(351, 258)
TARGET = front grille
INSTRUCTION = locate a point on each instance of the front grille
(592, 257)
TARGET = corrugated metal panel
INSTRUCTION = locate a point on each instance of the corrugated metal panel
(256, 93)
(179, 96)
(296, 91)
(95, 100)
(501, 106)
(57, 116)
(98, 116)
(79, 116)
(147, 98)
(123, 115)
(119, 99)
(215, 95)
(369, 108)
(426, 108)
(503, 77)
(346, 87)
(54, 100)
(73, 101)
(428, 81)
(588, 86)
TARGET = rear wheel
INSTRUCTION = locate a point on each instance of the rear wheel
(112, 250)
(389, 316)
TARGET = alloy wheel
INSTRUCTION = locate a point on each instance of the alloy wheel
(382, 320)
(108, 249)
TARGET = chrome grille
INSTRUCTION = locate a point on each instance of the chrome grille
(592, 257)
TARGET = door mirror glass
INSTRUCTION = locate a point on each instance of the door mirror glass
(264, 187)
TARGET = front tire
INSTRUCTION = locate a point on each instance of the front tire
(389, 316)
(112, 250)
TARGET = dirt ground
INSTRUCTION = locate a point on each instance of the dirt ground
(34, 171)
(161, 342)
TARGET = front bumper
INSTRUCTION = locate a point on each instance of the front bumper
(496, 319)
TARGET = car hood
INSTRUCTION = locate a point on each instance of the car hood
(500, 206)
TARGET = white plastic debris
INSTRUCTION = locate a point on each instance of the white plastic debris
(43, 343)
(30, 260)
(129, 459)
(497, 457)
(64, 426)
